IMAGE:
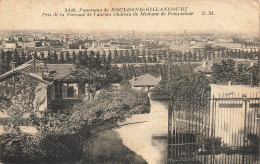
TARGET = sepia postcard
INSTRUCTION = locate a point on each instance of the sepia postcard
(129, 81)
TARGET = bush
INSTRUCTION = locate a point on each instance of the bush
(19, 122)
(50, 148)
(61, 137)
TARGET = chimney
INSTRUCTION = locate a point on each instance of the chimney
(229, 83)
(45, 71)
(12, 64)
(204, 64)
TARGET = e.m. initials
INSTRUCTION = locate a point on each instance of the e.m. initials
(207, 13)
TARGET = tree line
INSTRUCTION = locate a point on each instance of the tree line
(120, 56)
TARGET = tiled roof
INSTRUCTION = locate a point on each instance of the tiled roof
(57, 71)
(23, 69)
(205, 67)
(61, 71)
(145, 80)
(17, 69)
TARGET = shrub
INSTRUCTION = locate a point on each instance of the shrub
(50, 148)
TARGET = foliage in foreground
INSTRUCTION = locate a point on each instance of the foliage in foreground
(62, 136)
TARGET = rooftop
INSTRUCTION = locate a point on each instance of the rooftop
(56, 71)
(145, 80)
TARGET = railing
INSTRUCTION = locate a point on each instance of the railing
(217, 130)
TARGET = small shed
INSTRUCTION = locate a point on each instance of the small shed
(145, 81)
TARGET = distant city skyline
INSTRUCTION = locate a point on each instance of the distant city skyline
(237, 17)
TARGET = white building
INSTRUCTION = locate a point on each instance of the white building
(235, 113)
(10, 45)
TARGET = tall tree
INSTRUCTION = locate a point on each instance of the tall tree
(236, 54)
(55, 57)
(132, 57)
(80, 56)
(161, 74)
(213, 55)
(67, 57)
(143, 56)
(15, 56)
(125, 72)
(142, 69)
(149, 59)
(159, 56)
(189, 56)
(127, 57)
(8, 60)
(2, 61)
(146, 68)
(137, 53)
(109, 57)
(231, 54)
(209, 56)
(222, 53)
(85, 54)
(121, 58)
(98, 56)
(154, 59)
(200, 56)
(61, 57)
(184, 57)
(74, 57)
(130, 72)
(205, 55)
(194, 56)
(115, 58)
(49, 56)
(164, 55)
(104, 57)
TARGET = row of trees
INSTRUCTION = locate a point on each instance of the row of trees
(96, 61)
(135, 56)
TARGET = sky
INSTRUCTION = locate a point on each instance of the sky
(231, 16)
